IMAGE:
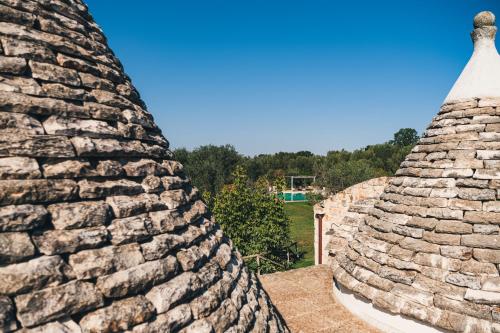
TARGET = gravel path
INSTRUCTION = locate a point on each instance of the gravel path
(305, 300)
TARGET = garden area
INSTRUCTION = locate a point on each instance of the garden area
(302, 231)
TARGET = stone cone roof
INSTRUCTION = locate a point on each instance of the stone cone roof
(100, 230)
(429, 249)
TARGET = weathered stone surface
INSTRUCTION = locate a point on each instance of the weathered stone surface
(144, 167)
(119, 316)
(467, 308)
(19, 168)
(69, 241)
(455, 322)
(20, 85)
(467, 182)
(34, 274)
(399, 276)
(476, 194)
(443, 239)
(111, 99)
(210, 299)
(437, 261)
(448, 290)
(445, 213)
(424, 223)
(174, 198)
(173, 167)
(86, 146)
(453, 227)
(53, 303)
(169, 321)
(125, 206)
(130, 229)
(15, 246)
(35, 146)
(58, 90)
(53, 73)
(463, 280)
(487, 174)
(152, 184)
(408, 231)
(79, 214)
(136, 278)
(166, 221)
(109, 168)
(223, 317)
(165, 295)
(415, 295)
(93, 263)
(101, 189)
(389, 302)
(19, 123)
(482, 217)
(492, 206)
(484, 255)
(174, 182)
(22, 217)
(63, 325)
(161, 245)
(26, 49)
(67, 169)
(202, 326)
(191, 258)
(491, 284)
(482, 297)
(465, 205)
(7, 315)
(481, 241)
(56, 125)
(420, 312)
(11, 65)
(91, 81)
(473, 267)
(419, 245)
(488, 154)
(457, 252)
(76, 63)
(487, 229)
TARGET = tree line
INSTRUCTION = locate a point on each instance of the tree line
(211, 167)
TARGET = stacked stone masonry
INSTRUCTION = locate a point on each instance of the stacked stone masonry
(341, 215)
(100, 230)
(429, 248)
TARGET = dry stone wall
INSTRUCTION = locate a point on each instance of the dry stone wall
(100, 230)
(429, 249)
(341, 215)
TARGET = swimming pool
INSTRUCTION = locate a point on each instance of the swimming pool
(287, 196)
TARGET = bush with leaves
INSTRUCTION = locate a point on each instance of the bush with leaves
(253, 218)
(314, 198)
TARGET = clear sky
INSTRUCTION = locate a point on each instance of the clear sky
(290, 75)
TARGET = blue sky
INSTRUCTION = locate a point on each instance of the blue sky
(290, 75)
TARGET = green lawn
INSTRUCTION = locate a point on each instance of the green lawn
(302, 230)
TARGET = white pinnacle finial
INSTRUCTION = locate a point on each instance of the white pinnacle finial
(481, 77)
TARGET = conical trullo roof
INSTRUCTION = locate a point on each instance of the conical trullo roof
(427, 256)
(100, 230)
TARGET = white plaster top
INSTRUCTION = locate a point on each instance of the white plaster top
(481, 76)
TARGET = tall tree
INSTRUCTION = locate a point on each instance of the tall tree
(210, 167)
(405, 137)
(254, 219)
